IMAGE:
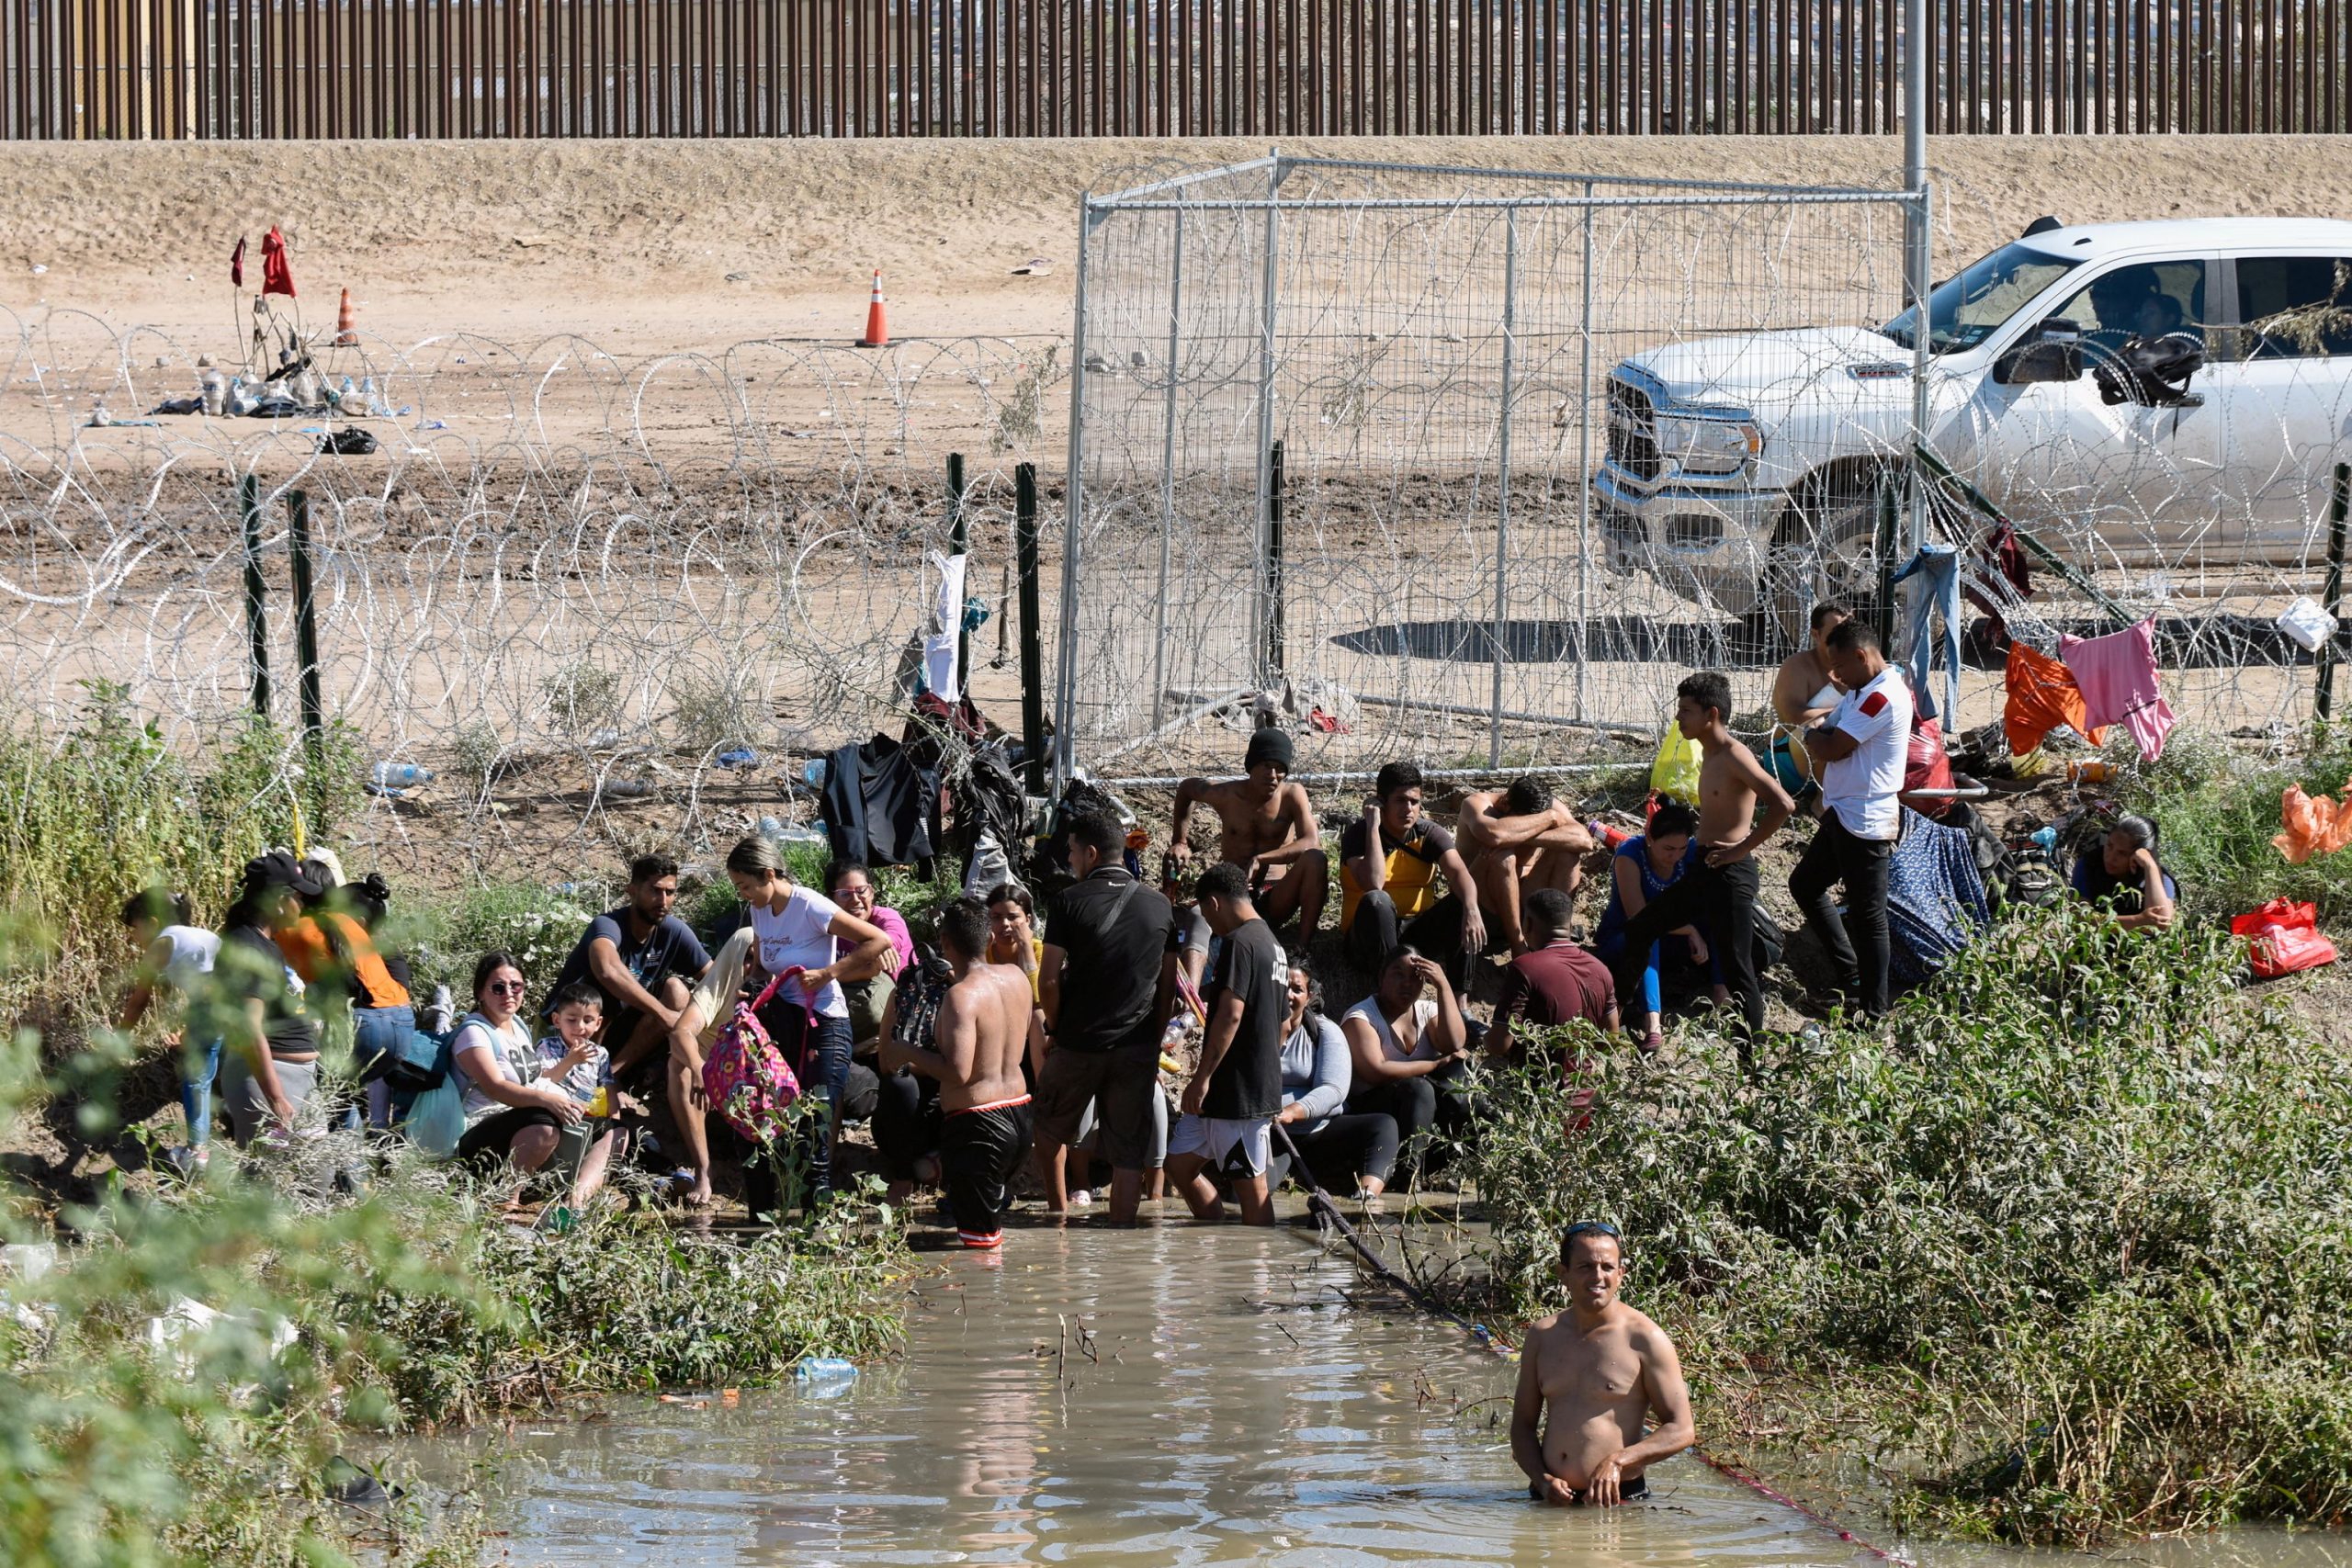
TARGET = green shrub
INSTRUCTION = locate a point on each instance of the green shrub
(2218, 810)
(89, 816)
(538, 928)
(410, 1304)
(2076, 1218)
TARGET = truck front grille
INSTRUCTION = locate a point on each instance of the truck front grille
(1632, 438)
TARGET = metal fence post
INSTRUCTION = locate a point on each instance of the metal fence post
(1259, 608)
(959, 544)
(1584, 468)
(1073, 522)
(1883, 548)
(1033, 649)
(1503, 510)
(1167, 487)
(2339, 505)
(1275, 588)
(257, 592)
(305, 620)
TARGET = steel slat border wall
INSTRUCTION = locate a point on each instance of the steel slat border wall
(234, 69)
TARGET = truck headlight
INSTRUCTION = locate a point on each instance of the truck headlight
(1708, 442)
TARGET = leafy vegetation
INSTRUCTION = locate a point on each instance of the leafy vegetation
(188, 1371)
(2218, 810)
(90, 815)
(2071, 1233)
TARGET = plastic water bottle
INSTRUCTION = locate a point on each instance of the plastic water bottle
(740, 757)
(824, 1369)
(812, 773)
(770, 828)
(398, 775)
(802, 833)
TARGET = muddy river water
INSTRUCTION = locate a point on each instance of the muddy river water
(1167, 1396)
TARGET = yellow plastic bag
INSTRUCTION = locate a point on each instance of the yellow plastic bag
(1674, 774)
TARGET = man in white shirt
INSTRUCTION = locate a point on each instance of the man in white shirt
(1861, 754)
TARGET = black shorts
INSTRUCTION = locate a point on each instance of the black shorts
(486, 1142)
(978, 1150)
(1120, 1083)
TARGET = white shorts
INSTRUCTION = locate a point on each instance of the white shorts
(1234, 1148)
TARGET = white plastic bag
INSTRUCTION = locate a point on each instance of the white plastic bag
(2306, 624)
(437, 1120)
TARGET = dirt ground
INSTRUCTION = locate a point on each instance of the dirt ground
(650, 247)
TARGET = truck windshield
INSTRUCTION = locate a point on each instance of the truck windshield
(1964, 310)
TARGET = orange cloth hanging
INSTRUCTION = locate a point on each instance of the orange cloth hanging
(2311, 826)
(2043, 696)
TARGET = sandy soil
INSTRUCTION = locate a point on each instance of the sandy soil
(633, 244)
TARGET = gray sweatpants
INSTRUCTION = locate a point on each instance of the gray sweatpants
(241, 1093)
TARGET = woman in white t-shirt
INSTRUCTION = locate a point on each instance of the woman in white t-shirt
(175, 955)
(799, 928)
(510, 1115)
(1404, 1041)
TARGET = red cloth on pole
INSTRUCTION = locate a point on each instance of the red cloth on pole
(276, 277)
(237, 264)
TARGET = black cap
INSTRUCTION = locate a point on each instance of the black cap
(1270, 746)
(279, 869)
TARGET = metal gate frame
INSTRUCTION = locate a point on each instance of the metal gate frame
(1560, 191)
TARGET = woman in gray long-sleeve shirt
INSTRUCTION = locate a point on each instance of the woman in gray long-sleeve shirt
(1350, 1152)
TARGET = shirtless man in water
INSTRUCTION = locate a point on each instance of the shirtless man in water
(1717, 889)
(1588, 1377)
(981, 1028)
(1804, 693)
(1269, 831)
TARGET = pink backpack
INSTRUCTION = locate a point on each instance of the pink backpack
(745, 1075)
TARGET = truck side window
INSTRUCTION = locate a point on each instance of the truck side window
(2150, 300)
(2295, 306)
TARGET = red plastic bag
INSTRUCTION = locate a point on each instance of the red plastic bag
(2283, 937)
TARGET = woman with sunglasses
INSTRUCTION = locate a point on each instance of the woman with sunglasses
(510, 1115)
(850, 885)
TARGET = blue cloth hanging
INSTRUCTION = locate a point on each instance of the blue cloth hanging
(1937, 568)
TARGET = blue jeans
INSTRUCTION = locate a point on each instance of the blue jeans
(196, 1089)
(828, 1058)
(1612, 948)
(377, 1030)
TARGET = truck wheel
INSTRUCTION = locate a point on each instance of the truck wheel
(1823, 550)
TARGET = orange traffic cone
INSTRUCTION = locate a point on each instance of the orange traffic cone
(877, 331)
(346, 324)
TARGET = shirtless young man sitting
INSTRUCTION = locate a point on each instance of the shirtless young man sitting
(1588, 1377)
(1269, 831)
(1804, 693)
(1717, 890)
(1517, 842)
(981, 1031)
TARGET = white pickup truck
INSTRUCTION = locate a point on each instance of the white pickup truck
(1742, 470)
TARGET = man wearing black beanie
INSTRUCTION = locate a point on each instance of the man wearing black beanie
(1269, 831)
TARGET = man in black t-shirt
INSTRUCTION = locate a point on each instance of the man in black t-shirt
(1230, 1105)
(643, 958)
(1104, 983)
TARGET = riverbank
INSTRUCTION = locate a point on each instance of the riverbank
(2062, 1246)
(216, 1373)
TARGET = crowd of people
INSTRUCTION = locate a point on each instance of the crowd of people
(1134, 1040)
